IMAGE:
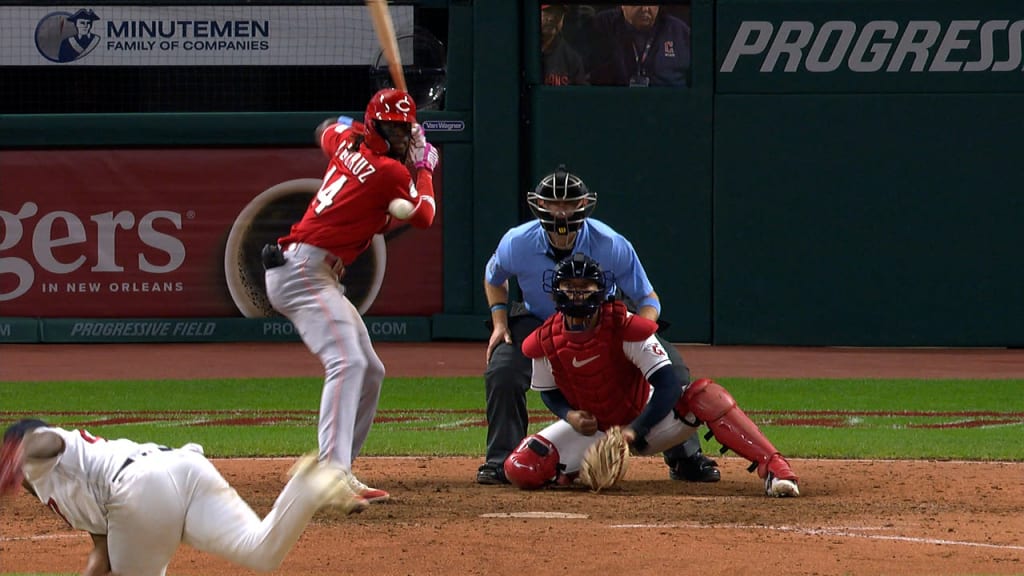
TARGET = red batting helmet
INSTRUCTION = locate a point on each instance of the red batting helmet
(391, 105)
(533, 464)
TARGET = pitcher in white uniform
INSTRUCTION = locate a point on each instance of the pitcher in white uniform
(141, 501)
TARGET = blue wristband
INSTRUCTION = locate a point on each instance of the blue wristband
(497, 307)
(649, 301)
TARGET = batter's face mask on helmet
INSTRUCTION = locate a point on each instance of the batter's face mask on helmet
(578, 287)
(561, 202)
(389, 119)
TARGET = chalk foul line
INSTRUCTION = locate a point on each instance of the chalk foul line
(39, 537)
(846, 532)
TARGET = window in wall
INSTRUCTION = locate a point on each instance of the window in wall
(615, 44)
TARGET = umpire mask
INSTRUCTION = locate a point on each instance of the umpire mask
(561, 187)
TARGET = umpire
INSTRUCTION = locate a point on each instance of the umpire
(562, 205)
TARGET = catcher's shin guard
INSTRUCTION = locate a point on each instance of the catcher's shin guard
(713, 404)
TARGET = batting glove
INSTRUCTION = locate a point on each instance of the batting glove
(425, 157)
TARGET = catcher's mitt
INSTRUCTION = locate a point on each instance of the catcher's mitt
(605, 461)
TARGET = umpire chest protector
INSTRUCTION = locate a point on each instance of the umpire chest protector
(591, 369)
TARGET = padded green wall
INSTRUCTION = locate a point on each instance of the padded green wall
(768, 207)
(646, 152)
(870, 208)
(869, 220)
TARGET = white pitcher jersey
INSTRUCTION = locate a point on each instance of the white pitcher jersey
(77, 483)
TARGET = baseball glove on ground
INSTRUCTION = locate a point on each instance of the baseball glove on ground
(605, 461)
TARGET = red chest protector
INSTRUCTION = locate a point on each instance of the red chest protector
(592, 370)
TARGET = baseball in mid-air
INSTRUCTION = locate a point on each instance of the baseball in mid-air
(401, 208)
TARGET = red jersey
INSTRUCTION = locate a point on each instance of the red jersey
(352, 203)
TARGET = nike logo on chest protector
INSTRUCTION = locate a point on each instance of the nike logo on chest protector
(581, 363)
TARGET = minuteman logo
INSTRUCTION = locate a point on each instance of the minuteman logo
(875, 46)
(67, 37)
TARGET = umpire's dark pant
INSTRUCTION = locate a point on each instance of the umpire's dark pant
(507, 380)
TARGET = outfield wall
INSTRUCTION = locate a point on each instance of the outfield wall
(837, 173)
(866, 162)
(124, 330)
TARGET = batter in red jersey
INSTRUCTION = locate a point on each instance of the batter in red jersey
(597, 365)
(378, 170)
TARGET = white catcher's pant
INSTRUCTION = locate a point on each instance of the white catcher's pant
(166, 498)
(306, 291)
(572, 445)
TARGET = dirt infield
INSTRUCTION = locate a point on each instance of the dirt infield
(855, 518)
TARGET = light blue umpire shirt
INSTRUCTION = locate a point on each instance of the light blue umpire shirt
(523, 253)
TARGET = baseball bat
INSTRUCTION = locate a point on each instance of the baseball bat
(388, 42)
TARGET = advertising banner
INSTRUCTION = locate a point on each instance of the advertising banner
(177, 233)
(823, 46)
(246, 35)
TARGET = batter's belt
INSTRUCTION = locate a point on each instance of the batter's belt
(335, 264)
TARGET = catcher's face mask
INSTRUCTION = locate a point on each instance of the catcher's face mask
(578, 285)
(579, 300)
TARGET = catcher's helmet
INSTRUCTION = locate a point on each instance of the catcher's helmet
(561, 186)
(388, 105)
(533, 464)
(579, 266)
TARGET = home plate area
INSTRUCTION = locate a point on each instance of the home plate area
(854, 517)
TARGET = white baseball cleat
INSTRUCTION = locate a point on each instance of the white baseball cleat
(374, 495)
(780, 488)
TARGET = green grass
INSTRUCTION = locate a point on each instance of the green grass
(904, 419)
(958, 419)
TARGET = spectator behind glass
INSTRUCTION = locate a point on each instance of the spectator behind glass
(562, 64)
(639, 45)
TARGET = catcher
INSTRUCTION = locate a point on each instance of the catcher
(599, 367)
(141, 501)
